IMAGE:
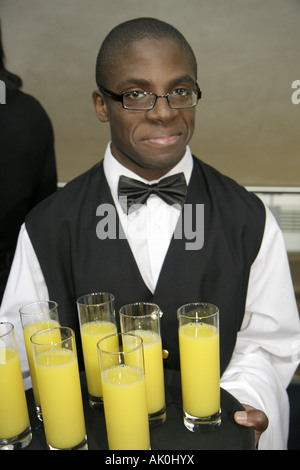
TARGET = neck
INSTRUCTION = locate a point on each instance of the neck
(146, 172)
(150, 174)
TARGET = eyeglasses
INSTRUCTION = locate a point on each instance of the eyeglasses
(138, 100)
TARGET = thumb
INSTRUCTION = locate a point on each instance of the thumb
(252, 418)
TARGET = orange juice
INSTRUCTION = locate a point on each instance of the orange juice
(153, 369)
(199, 366)
(28, 331)
(13, 406)
(59, 387)
(125, 408)
(91, 333)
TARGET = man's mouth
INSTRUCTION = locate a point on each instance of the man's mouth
(162, 140)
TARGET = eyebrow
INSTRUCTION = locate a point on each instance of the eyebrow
(144, 82)
(134, 81)
(183, 78)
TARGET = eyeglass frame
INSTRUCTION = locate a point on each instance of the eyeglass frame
(120, 98)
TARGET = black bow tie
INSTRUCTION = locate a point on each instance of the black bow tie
(172, 190)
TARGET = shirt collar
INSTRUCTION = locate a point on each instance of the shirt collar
(114, 169)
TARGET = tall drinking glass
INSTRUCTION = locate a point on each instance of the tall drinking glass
(97, 319)
(143, 319)
(15, 430)
(199, 365)
(124, 392)
(37, 316)
(56, 366)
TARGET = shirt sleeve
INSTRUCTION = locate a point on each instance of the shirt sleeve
(267, 350)
(25, 284)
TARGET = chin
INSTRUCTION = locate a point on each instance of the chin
(161, 163)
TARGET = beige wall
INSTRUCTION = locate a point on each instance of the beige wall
(248, 55)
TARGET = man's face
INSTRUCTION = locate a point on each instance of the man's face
(149, 142)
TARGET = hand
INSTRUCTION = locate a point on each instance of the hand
(252, 417)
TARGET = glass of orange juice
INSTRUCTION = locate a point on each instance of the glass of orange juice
(96, 313)
(143, 319)
(37, 316)
(15, 430)
(56, 367)
(199, 365)
(124, 392)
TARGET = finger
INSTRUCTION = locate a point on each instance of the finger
(252, 417)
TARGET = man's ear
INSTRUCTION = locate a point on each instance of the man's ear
(100, 106)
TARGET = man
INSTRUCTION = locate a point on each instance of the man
(70, 245)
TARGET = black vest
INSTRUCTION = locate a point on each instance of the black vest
(75, 261)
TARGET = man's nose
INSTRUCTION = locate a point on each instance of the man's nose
(161, 110)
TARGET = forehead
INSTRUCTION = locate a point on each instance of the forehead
(151, 60)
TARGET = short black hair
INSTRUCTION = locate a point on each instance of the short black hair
(134, 30)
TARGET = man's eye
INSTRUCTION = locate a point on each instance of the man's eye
(181, 92)
(135, 94)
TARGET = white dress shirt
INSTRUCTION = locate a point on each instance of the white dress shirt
(268, 346)
(150, 228)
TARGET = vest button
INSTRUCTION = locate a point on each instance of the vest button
(165, 353)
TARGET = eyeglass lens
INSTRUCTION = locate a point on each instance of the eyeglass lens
(148, 101)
